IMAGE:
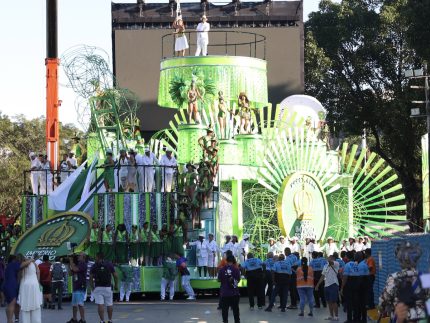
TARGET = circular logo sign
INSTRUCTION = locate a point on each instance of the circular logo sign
(302, 207)
(57, 236)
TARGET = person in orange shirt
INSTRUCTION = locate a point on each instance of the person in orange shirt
(372, 274)
(305, 286)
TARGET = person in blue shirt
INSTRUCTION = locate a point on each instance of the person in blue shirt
(351, 286)
(255, 280)
(363, 286)
(339, 261)
(269, 266)
(281, 276)
(295, 263)
(317, 264)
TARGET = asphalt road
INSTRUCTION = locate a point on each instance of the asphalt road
(181, 311)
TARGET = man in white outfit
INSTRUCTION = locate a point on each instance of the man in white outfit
(148, 159)
(35, 174)
(244, 247)
(168, 171)
(202, 37)
(202, 253)
(281, 245)
(212, 255)
(294, 245)
(228, 245)
(330, 247)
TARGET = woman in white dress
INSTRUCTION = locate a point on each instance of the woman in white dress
(30, 296)
(181, 43)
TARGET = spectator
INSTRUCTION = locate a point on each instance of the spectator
(229, 276)
(331, 287)
(101, 284)
(317, 264)
(78, 268)
(45, 281)
(168, 278)
(58, 274)
(254, 274)
(30, 296)
(37, 259)
(305, 286)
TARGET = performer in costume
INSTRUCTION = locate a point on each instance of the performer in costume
(134, 243)
(149, 160)
(155, 244)
(206, 142)
(178, 237)
(95, 240)
(190, 181)
(78, 149)
(202, 37)
(193, 109)
(201, 254)
(165, 242)
(145, 244)
(213, 250)
(132, 173)
(244, 114)
(122, 170)
(109, 177)
(170, 164)
(35, 167)
(222, 114)
(181, 43)
(107, 243)
(121, 241)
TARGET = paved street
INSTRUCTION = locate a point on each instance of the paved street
(201, 311)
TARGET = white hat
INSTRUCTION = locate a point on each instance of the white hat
(330, 238)
(294, 238)
(201, 235)
(204, 17)
(270, 239)
(211, 234)
(281, 237)
(146, 149)
(31, 154)
(245, 236)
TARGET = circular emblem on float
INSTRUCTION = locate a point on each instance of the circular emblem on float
(59, 235)
(302, 207)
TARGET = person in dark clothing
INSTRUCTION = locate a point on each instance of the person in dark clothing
(317, 264)
(268, 268)
(255, 280)
(229, 276)
(281, 277)
(294, 258)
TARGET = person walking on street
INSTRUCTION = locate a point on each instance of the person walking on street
(45, 281)
(30, 296)
(58, 274)
(229, 277)
(168, 278)
(255, 280)
(281, 277)
(331, 287)
(126, 285)
(181, 263)
(305, 286)
(101, 284)
(78, 269)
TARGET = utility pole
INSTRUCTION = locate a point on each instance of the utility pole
(416, 113)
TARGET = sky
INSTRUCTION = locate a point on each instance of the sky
(23, 50)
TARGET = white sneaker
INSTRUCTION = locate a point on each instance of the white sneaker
(335, 318)
(191, 298)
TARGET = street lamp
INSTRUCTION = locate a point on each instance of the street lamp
(416, 113)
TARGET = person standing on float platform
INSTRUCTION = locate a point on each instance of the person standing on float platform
(202, 37)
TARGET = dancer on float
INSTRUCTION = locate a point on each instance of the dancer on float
(193, 108)
(181, 43)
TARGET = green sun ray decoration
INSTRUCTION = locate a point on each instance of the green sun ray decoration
(358, 186)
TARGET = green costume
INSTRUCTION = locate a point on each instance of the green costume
(109, 176)
(107, 249)
(178, 240)
(127, 273)
(144, 246)
(155, 245)
(169, 270)
(121, 247)
(94, 243)
(134, 245)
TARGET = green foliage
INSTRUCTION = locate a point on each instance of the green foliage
(19, 137)
(356, 53)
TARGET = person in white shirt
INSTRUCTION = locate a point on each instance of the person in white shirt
(202, 37)
(212, 255)
(281, 245)
(35, 166)
(148, 159)
(244, 247)
(235, 246)
(72, 162)
(331, 287)
(294, 245)
(123, 170)
(46, 175)
(272, 246)
(359, 246)
(343, 246)
(64, 168)
(168, 171)
(366, 243)
(351, 244)
(330, 247)
(308, 248)
(202, 254)
(228, 245)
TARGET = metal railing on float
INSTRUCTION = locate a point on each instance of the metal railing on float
(221, 42)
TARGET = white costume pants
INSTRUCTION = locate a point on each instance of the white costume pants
(123, 178)
(43, 182)
(125, 289)
(212, 260)
(149, 179)
(140, 182)
(164, 283)
(167, 182)
(202, 46)
(34, 316)
(34, 178)
(187, 286)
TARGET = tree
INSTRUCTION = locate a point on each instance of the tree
(363, 49)
(19, 137)
(417, 15)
